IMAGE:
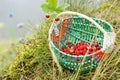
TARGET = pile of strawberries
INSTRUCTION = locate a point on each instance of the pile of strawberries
(81, 48)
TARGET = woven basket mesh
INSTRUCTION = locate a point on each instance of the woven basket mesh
(78, 29)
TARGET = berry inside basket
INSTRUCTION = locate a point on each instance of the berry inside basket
(78, 42)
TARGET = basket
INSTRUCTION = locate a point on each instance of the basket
(76, 27)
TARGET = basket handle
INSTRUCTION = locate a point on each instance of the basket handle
(84, 16)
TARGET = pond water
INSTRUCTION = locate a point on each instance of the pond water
(17, 13)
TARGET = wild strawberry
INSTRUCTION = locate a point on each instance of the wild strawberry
(72, 50)
(77, 53)
(85, 46)
(100, 54)
(89, 52)
(98, 47)
(84, 51)
(67, 51)
(69, 44)
(57, 19)
(63, 48)
(93, 48)
(47, 16)
(78, 44)
(96, 44)
(81, 52)
(81, 47)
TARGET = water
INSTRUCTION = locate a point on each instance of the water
(16, 12)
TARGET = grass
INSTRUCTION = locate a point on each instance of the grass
(34, 60)
(7, 53)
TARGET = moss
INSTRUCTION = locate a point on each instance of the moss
(30, 55)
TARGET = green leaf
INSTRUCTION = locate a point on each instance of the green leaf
(50, 6)
(47, 0)
(52, 3)
(58, 10)
(46, 8)
(62, 7)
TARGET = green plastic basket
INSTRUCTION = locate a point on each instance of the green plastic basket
(78, 28)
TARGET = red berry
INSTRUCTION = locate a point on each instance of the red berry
(63, 48)
(94, 48)
(78, 48)
(96, 44)
(47, 16)
(69, 44)
(81, 47)
(89, 52)
(91, 49)
(77, 44)
(100, 54)
(72, 50)
(84, 51)
(67, 51)
(82, 42)
(77, 53)
(85, 46)
(57, 19)
(81, 52)
(98, 47)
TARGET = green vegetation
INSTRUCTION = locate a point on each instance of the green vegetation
(7, 53)
(34, 60)
(52, 6)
